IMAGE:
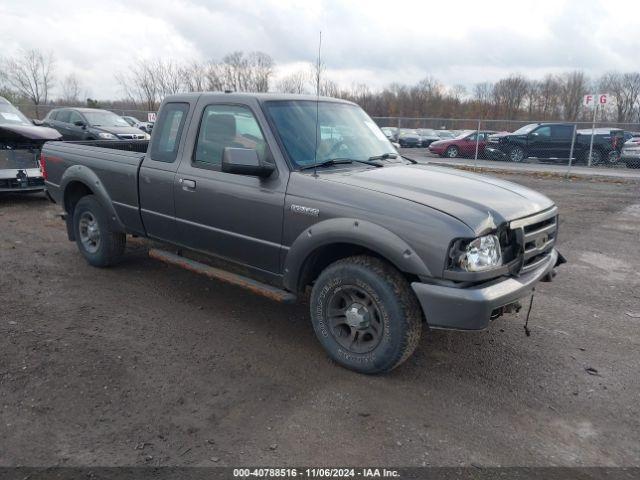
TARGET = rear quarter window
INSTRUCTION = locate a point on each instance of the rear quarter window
(168, 131)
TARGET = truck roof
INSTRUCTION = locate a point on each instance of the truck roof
(261, 97)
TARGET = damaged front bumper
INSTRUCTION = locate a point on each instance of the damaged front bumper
(472, 308)
(25, 180)
(20, 171)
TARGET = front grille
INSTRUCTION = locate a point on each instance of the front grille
(536, 236)
(131, 136)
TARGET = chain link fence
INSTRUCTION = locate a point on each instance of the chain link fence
(549, 144)
(554, 145)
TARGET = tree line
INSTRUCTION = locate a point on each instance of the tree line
(30, 77)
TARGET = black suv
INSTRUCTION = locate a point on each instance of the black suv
(552, 141)
(92, 124)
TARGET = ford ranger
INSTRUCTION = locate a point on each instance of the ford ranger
(286, 194)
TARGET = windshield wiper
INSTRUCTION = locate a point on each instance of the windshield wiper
(410, 159)
(338, 161)
(384, 156)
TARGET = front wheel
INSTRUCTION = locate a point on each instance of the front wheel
(452, 152)
(365, 314)
(517, 154)
(100, 245)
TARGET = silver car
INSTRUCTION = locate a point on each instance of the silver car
(631, 153)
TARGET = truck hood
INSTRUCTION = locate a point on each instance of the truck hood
(27, 133)
(479, 201)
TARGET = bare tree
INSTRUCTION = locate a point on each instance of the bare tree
(297, 82)
(71, 89)
(194, 77)
(140, 84)
(242, 73)
(549, 101)
(168, 77)
(573, 87)
(625, 89)
(509, 94)
(31, 75)
(483, 91)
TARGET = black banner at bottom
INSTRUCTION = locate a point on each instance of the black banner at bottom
(397, 473)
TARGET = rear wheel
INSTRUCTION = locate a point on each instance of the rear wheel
(100, 245)
(365, 314)
(452, 152)
(596, 157)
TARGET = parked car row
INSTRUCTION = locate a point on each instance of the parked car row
(92, 124)
(414, 138)
(134, 122)
(21, 139)
(547, 142)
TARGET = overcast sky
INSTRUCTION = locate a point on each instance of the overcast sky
(373, 42)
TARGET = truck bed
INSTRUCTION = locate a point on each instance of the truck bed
(110, 165)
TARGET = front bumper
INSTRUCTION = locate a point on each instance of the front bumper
(21, 180)
(494, 153)
(472, 308)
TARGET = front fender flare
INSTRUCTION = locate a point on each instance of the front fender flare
(350, 231)
(86, 176)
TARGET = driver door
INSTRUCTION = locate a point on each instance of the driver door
(237, 217)
(540, 144)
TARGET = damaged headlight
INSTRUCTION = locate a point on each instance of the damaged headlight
(480, 254)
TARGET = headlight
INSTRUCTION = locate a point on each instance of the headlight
(147, 136)
(107, 136)
(481, 254)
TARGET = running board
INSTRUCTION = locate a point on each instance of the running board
(260, 288)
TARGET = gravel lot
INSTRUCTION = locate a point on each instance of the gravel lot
(145, 364)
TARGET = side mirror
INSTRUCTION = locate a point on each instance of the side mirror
(534, 134)
(79, 123)
(36, 122)
(245, 161)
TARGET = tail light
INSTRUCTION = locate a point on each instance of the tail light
(43, 166)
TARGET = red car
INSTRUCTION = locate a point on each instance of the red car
(464, 145)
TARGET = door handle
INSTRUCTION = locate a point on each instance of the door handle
(187, 184)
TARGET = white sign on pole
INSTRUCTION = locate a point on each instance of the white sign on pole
(593, 99)
(151, 117)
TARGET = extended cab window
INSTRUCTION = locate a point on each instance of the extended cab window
(168, 131)
(227, 126)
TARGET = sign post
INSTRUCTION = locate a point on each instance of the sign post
(151, 117)
(475, 157)
(594, 101)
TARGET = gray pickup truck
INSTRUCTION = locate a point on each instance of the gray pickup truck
(284, 193)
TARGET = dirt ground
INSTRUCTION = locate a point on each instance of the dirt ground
(145, 364)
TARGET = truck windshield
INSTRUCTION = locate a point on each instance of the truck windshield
(344, 131)
(10, 115)
(526, 129)
(105, 119)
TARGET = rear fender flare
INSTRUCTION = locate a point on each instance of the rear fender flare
(350, 231)
(86, 176)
